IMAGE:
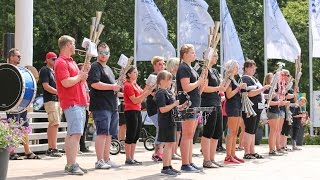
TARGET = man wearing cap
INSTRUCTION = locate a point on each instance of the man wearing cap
(51, 104)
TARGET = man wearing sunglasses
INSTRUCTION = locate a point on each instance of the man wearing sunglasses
(104, 106)
(51, 104)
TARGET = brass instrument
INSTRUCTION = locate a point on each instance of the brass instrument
(274, 82)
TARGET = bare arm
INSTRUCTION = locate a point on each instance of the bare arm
(230, 93)
(49, 88)
(140, 98)
(104, 86)
(187, 86)
(167, 108)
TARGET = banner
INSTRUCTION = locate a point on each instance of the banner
(316, 111)
(314, 13)
(151, 32)
(281, 42)
(194, 23)
(231, 43)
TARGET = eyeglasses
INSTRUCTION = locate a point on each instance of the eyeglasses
(19, 56)
(53, 59)
(104, 52)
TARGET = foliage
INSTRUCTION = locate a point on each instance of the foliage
(53, 18)
(311, 140)
(12, 133)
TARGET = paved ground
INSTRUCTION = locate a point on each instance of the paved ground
(295, 165)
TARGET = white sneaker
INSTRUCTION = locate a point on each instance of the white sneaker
(102, 165)
(112, 164)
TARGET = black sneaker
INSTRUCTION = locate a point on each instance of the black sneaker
(49, 152)
(274, 153)
(130, 162)
(55, 153)
(168, 172)
(137, 162)
(85, 150)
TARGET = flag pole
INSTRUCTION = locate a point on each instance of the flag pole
(265, 37)
(135, 32)
(178, 29)
(310, 71)
(221, 39)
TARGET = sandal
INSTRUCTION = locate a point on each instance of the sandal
(32, 156)
(249, 156)
(257, 156)
(15, 156)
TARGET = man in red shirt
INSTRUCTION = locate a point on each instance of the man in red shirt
(71, 90)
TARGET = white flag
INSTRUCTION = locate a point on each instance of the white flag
(152, 32)
(314, 13)
(231, 43)
(194, 24)
(281, 42)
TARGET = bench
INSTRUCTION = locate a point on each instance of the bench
(36, 137)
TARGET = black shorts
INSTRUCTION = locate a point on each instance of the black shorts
(251, 123)
(179, 126)
(122, 119)
(234, 112)
(214, 125)
(167, 134)
(285, 128)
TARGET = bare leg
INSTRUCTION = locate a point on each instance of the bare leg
(106, 156)
(52, 133)
(71, 147)
(213, 148)
(100, 146)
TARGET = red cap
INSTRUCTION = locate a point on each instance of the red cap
(50, 55)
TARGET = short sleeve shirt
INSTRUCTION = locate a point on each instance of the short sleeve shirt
(185, 71)
(163, 98)
(212, 98)
(46, 75)
(151, 104)
(273, 109)
(252, 81)
(102, 99)
(235, 101)
(130, 89)
(66, 67)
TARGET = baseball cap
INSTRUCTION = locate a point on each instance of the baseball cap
(50, 55)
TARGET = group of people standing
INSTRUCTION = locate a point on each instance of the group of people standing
(96, 87)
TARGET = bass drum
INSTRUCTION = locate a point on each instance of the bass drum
(18, 88)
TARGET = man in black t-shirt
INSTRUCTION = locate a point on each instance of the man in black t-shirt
(158, 65)
(51, 104)
(104, 106)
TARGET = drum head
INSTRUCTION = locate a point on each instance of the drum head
(11, 86)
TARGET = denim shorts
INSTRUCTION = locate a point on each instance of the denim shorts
(107, 122)
(272, 115)
(76, 118)
(282, 114)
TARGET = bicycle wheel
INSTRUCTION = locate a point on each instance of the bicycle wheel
(115, 147)
(149, 143)
(122, 150)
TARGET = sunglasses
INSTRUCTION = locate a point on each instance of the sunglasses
(17, 56)
(104, 52)
(53, 59)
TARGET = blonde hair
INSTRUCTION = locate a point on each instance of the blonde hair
(230, 65)
(63, 40)
(286, 72)
(303, 99)
(172, 62)
(267, 80)
(163, 75)
(185, 49)
(156, 59)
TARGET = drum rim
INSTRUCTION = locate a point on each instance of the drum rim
(21, 98)
(23, 86)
